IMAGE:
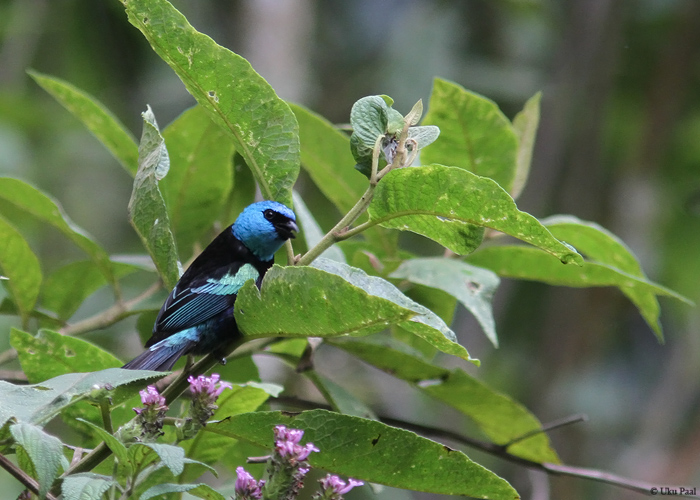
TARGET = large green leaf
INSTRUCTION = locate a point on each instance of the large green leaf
(451, 206)
(474, 134)
(424, 323)
(65, 289)
(525, 125)
(147, 210)
(198, 490)
(96, 117)
(20, 269)
(32, 201)
(45, 451)
(38, 403)
(308, 302)
(51, 354)
(497, 415)
(528, 264)
(263, 128)
(200, 176)
(325, 155)
(472, 286)
(374, 452)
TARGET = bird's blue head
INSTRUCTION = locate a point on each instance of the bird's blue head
(263, 227)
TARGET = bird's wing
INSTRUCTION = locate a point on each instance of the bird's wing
(201, 300)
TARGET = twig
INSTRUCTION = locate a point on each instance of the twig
(556, 424)
(22, 477)
(499, 451)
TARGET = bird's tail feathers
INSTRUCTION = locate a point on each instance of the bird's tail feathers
(160, 357)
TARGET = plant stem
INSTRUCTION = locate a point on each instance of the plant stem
(22, 477)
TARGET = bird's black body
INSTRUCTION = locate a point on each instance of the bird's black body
(197, 317)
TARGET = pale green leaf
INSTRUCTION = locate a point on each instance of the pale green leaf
(472, 286)
(147, 211)
(20, 268)
(525, 125)
(263, 128)
(96, 117)
(199, 490)
(474, 134)
(45, 451)
(86, 486)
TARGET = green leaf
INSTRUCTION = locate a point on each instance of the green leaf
(446, 203)
(96, 117)
(325, 305)
(45, 451)
(528, 264)
(371, 117)
(600, 245)
(147, 211)
(200, 176)
(326, 157)
(20, 268)
(312, 231)
(173, 457)
(424, 323)
(199, 490)
(472, 286)
(525, 126)
(117, 447)
(261, 125)
(65, 289)
(496, 414)
(39, 403)
(86, 486)
(374, 452)
(474, 134)
(338, 397)
(424, 135)
(51, 354)
(32, 201)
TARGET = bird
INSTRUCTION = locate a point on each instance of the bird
(197, 317)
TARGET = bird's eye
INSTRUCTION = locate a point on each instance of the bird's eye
(269, 214)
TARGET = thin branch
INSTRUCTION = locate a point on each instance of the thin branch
(556, 424)
(109, 316)
(499, 451)
(22, 477)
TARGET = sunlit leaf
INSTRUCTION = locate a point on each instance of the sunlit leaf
(452, 206)
(474, 134)
(263, 128)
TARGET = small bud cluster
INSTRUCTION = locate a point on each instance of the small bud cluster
(150, 417)
(205, 391)
(247, 488)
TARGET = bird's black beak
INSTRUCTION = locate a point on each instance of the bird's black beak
(287, 229)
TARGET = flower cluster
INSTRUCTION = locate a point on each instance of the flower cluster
(287, 445)
(150, 417)
(333, 488)
(205, 391)
(247, 488)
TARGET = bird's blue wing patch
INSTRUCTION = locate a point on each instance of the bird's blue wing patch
(202, 300)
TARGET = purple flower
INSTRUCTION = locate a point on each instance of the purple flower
(333, 486)
(151, 400)
(288, 447)
(212, 386)
(246, 486)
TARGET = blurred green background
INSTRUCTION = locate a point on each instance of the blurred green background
(618, 144)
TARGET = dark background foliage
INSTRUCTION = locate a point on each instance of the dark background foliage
(618, 145)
